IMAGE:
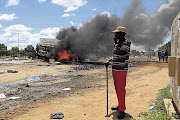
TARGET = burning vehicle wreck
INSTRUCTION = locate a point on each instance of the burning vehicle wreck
(46, 48)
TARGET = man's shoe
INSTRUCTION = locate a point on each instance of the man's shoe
(114, 108)
(120, 115)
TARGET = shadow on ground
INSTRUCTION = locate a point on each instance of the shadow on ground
(127, 116)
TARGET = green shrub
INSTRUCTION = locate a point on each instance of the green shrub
(157, 115)
(157, 112)
(163, 94)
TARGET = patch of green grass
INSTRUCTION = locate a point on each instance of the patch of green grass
(157, 115)
(163, 94)
(157, 112)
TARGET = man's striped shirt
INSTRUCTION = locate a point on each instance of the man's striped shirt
(120, 58)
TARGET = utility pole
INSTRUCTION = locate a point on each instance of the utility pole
(18, 44)
(18, 40)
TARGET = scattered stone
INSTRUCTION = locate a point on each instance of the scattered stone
(13, 98)
(2, 95)
(12, 71)
(66, 89)
(57, 116)
(27, 85)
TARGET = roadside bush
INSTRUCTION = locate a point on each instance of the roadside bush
(156, 113)
(163, 94)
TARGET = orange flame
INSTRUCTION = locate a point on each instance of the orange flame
(74, 57)
(64, 55)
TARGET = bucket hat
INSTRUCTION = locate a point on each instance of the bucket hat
(121, 29)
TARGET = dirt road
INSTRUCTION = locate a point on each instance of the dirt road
(87, 99)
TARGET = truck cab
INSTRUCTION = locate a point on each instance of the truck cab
(45, 47)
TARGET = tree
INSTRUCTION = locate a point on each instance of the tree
(37, 48)
(14, 51)
(30, 48)
(3, 50)
(3, 47)
(30, 51)
(23, 52)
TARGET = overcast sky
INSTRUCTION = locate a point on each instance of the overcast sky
(34, 19)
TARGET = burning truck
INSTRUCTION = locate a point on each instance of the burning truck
(46, 51)
(45, 47)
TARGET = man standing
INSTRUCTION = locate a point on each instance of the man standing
(166, 55)
(159, 55)
(120, 67)
(162, 55)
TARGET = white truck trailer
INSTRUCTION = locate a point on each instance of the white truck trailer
(45, 47)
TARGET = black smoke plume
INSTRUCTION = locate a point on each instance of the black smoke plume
(94, 37)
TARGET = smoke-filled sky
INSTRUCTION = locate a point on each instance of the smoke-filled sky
(150, 31)
(147, 21)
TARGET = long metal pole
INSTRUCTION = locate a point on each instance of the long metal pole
(18, 40)
(107, 88)
(18, 44)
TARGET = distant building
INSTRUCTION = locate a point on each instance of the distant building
(165, 47)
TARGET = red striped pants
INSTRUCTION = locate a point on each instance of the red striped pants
(120, 84)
